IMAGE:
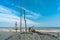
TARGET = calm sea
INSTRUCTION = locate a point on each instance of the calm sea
(37, 28)
(47, 28)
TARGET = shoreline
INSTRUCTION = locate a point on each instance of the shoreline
(48, 30)
(6, 30)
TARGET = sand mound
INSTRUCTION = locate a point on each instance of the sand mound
(31, 36)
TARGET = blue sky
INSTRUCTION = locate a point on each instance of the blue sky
(40, 13)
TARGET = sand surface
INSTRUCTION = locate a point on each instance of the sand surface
(6, 30)
(41, 35)
(29, 36)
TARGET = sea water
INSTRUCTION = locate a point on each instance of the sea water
(47, 28)
(37, 28)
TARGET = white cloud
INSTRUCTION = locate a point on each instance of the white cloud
(31, 14)
(6, 10)
(34, 15)
(8, 18)
(11, 19)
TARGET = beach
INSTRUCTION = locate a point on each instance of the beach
(41, 35)
(7, 30)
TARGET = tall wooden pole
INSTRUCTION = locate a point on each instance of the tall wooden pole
(20, 19)
(25, 21)
(16, 26)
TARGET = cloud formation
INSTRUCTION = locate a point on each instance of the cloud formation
(8, 18)
(30, 14)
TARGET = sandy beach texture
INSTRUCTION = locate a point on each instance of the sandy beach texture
(6, 30)
(12, 35)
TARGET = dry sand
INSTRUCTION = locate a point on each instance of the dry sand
(28, 36)
(6, 30)
(41, 35)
